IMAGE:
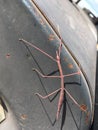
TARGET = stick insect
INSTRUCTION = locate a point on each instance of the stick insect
(62, 89)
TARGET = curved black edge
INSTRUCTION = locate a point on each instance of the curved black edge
(95, 122)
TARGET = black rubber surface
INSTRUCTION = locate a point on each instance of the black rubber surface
(95, 124)
(19, 83)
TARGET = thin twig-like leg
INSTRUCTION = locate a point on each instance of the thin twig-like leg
(45, 76)
(72, 98)
(40, 50)
(44, 97)
(68, 75)
(82, 107)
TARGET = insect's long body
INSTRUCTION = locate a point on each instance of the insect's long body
(61, 98)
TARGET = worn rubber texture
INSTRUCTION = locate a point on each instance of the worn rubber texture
(18, 82)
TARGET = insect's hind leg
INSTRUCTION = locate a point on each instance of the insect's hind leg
(44, 97)
(72, 98)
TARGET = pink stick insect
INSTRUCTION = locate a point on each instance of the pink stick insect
(62, 89)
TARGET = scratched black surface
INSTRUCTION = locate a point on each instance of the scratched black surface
(18, 82)
(95, 124)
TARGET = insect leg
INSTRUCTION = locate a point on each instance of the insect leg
(45, 76)
(72, 98)
(38, 49)
(44, 97)
(68, 75)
